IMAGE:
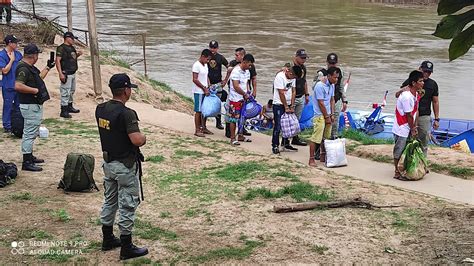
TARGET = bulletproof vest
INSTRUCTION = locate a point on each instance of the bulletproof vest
(68, 62)
(113, 133)
(42, 95)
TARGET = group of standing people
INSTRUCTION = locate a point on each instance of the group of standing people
(290, 93)
(23, 89)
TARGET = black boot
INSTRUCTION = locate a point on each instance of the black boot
(219, 122)
(71, 109)
(297, 141)
(129, 250)
(109, 241)
(64, 112)
(37, 160)
(28, 164)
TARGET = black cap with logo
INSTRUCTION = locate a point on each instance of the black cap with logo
(213, 44)
(121, 80)
(31, 49)
(69, 34)
(301, 53)
(427, 66)
(332, 58)
(10, 39)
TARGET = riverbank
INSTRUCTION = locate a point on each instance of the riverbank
(208, 202)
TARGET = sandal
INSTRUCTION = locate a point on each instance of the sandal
(400, 177)
(199, 134)
(234, 142)
(244, 139)
(207, 131)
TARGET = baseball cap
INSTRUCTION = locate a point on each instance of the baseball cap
(332, 58)
(10, 39)
(301, 53)
(31, 49)
(427, 66)
(69, 34)
(213, 44)
(122, 80)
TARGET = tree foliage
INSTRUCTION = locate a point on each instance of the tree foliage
(453, 26)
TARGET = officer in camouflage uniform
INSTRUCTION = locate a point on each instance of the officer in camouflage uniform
(120, 138)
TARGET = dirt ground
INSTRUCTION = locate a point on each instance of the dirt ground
(207, 202)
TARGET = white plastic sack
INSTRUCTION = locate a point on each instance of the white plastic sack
(211, 106)
(335, 152)
(290, 126)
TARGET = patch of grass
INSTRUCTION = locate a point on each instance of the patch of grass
(219, 234)
(240, 171)
(320, 249)
(146, 230)
(363, 138)
(237, 253)
(155, 158)
(406, 220)
(166, 100)
(139, 261)
(453, 170)
(21, 196)
(300, 191)
(165, 87)
(165, 214)
(61, 215)
(191, 213)
(351, 147)
(382, 158)
(286, 174)
(110, 57)
(179, 154)
(40, 235)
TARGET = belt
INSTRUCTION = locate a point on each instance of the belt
(299, 96)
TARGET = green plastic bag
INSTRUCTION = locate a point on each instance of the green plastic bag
(413, 164)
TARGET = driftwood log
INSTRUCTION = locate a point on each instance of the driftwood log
(311, 205)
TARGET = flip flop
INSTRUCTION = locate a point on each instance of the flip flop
(235, 143)
(401, 178)
(207, 131)
(199, 134)
(245, 140)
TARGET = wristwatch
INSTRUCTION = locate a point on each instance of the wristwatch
(306, 94)
(346, 102)
(436, 119)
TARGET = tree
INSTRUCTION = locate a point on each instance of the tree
(452, 26)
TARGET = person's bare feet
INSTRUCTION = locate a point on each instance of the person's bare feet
(312, 162)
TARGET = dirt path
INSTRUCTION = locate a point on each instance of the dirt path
(435, 184)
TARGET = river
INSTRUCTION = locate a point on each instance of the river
(378, 43)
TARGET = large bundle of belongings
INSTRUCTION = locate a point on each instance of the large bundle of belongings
(8, 173)
(413, 164)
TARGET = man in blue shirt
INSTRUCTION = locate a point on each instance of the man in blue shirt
(9, 58)
(323, 107)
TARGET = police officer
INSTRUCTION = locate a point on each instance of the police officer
(32, 93)
(66, 64)
(120, 138)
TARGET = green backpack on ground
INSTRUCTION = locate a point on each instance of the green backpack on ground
(78, 173)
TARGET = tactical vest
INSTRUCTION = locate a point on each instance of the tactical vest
(337, 87)
(113, 133)
(42, 95)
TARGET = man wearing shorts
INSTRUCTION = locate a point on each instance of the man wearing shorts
(404, 123)
(238, 93)
(200, 89)
(323, 106)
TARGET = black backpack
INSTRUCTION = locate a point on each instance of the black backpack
(17, 122)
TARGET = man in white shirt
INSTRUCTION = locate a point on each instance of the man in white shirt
(200, 89)
(284, 93)
(406, 113)
(238, 93)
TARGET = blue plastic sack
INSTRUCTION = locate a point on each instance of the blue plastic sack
(252, 108)
(306, 119)
(211, 105)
